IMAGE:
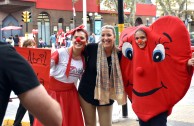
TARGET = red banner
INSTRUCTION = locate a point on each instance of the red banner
(92, 5)
(40, 61)
(29, 0)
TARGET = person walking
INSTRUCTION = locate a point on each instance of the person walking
(101, 83)
(53, 40)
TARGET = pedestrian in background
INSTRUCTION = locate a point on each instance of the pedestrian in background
(41, 43)
(92, 38)
(67, 66)
(10, 40)
(16, 40)
(29, 43)
(18, 76)
(101, 83)
(68, 42)
(58, 38)
(61, 39)
(53, 40)
(3, 39)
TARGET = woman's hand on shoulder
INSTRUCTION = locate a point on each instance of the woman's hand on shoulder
(191, 61)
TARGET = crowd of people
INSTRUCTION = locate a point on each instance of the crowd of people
(57, 40)
(95, 64)
(61, 39)
(12, 40)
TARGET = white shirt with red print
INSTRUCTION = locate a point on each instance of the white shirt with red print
(59, 61)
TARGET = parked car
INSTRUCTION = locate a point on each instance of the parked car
(191, 35)
(192, 38)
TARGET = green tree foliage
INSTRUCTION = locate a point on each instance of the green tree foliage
(173, 7)
(168, 7)
(128, 4)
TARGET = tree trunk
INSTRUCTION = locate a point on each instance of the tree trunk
(132, 13)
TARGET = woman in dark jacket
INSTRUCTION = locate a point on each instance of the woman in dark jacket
(101, 82)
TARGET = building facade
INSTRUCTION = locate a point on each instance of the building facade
(63, 14)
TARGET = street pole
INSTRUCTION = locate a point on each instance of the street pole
(120, 16)
(73, 2)
(186, 20)
(120, 28)
(27, 30)
(147, 20)
(84, 15)
(91, 22)
(26, 25)
(186, 9)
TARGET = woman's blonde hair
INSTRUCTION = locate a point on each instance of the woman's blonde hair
(109, 27)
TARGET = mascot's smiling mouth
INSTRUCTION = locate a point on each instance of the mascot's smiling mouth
(149, 92)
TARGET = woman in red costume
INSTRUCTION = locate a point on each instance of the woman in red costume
(156, 68)
(67, 66)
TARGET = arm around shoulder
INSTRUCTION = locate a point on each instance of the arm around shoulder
(42, 106)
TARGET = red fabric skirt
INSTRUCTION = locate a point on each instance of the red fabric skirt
(67, 97)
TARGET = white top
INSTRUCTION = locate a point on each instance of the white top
(58, 70)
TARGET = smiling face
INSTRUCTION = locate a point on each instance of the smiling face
(79, 40)
(107, 38)
(140, 38)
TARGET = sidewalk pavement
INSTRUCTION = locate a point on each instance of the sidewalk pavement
(126, 122)
(182, 113)
(9, 122)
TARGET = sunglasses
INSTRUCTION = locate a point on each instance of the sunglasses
(141, 37)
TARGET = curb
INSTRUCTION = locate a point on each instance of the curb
(9, 122)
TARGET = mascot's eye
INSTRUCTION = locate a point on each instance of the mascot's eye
(159, 53)
(127, 50)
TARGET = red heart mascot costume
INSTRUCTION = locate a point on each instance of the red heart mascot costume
(156, 77)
